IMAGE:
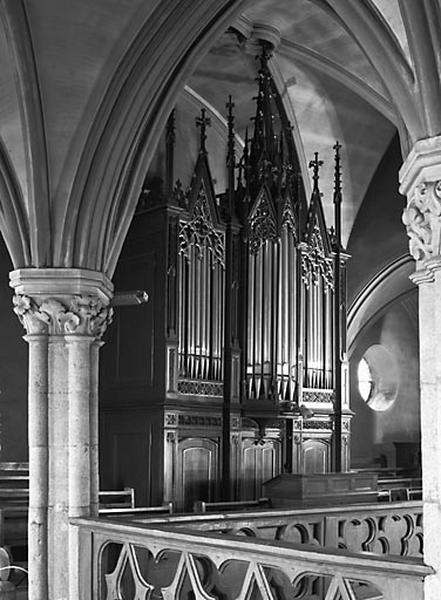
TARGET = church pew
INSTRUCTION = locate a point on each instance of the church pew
(391, 482)
(414, 494)
(123, 499)
(384, 495)
(201, 506)
(138, 511)
(397, 487)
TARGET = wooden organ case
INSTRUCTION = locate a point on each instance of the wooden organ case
(240, 371)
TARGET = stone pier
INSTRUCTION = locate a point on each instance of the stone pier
(65, 312)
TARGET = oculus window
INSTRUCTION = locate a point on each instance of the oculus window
(378, 378)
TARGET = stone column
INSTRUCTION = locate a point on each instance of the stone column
(420, 178)
(65, 313)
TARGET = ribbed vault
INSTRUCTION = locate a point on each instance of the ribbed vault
(88, 88)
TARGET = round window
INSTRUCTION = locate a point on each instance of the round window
(378, 377)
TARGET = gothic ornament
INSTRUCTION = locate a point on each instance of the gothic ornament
(75, 314)
(316, 258)
(315, 262)
(200, 232)
(318, 396)
(288, 217)
(262, 223)
(422, 220)
(200, 388)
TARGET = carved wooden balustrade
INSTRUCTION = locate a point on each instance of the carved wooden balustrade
(134, 562)
(392, 528)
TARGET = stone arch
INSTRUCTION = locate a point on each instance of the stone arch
(128, 126)
(368, 29)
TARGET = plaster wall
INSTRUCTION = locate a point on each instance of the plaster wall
(375, 432)
(378, 237)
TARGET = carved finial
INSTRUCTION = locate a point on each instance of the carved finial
(263, 136)
(202, 122)
(315, 166)
(170, 138)
(337, 173)
(230, 120)
(264, 56)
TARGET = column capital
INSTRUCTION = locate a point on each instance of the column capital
(62, 301)
(420, 181)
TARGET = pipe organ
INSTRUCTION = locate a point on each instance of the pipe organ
(247, 372)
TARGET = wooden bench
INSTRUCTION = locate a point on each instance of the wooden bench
(414, 494)
(138, 511)
(384, 495)
(117, 498)
(391, 482)
(202, 507)
(398, 487)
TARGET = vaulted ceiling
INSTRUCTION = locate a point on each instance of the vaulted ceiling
(86, 87)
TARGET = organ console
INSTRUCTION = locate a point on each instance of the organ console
(247, 372)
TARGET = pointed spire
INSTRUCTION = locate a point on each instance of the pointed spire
(264, 56)
(230, 120)
(315, 166)
(246, 158)
(337, 173)
(247, 141)
(231, 158)
(170, 138)
(203, 122)
(337, 195)
(263, 137)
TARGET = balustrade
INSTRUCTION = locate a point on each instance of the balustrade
(133, 561)
(392, 529)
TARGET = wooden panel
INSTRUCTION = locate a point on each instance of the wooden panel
(260, 462)
(131, 464)
(315, 456)
(127, 357)
(248, 472)
(131, 453)
(198, 467)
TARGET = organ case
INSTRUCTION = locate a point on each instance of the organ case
(250, 373)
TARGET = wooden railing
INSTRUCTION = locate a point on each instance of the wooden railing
(131, 561)
(394, 528)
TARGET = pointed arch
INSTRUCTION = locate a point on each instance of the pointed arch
(369, 31)
(129, 123)
(422, 22)
(13, 223)
(37, 207)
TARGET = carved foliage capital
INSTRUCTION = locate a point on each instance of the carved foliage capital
(63, 315)
(422, 218)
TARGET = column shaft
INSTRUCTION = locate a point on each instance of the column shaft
(58, 398)
(430, 386)
(38, 466)
(420, 178)
(65, 312)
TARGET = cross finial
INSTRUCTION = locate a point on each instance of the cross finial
(203, 122)
(230, 120)
(230, 105)
(337, 172)
(264, 56)
(315, 166)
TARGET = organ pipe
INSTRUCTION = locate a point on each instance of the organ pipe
(280, 306)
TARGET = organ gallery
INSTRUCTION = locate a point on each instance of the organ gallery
(235, 369)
